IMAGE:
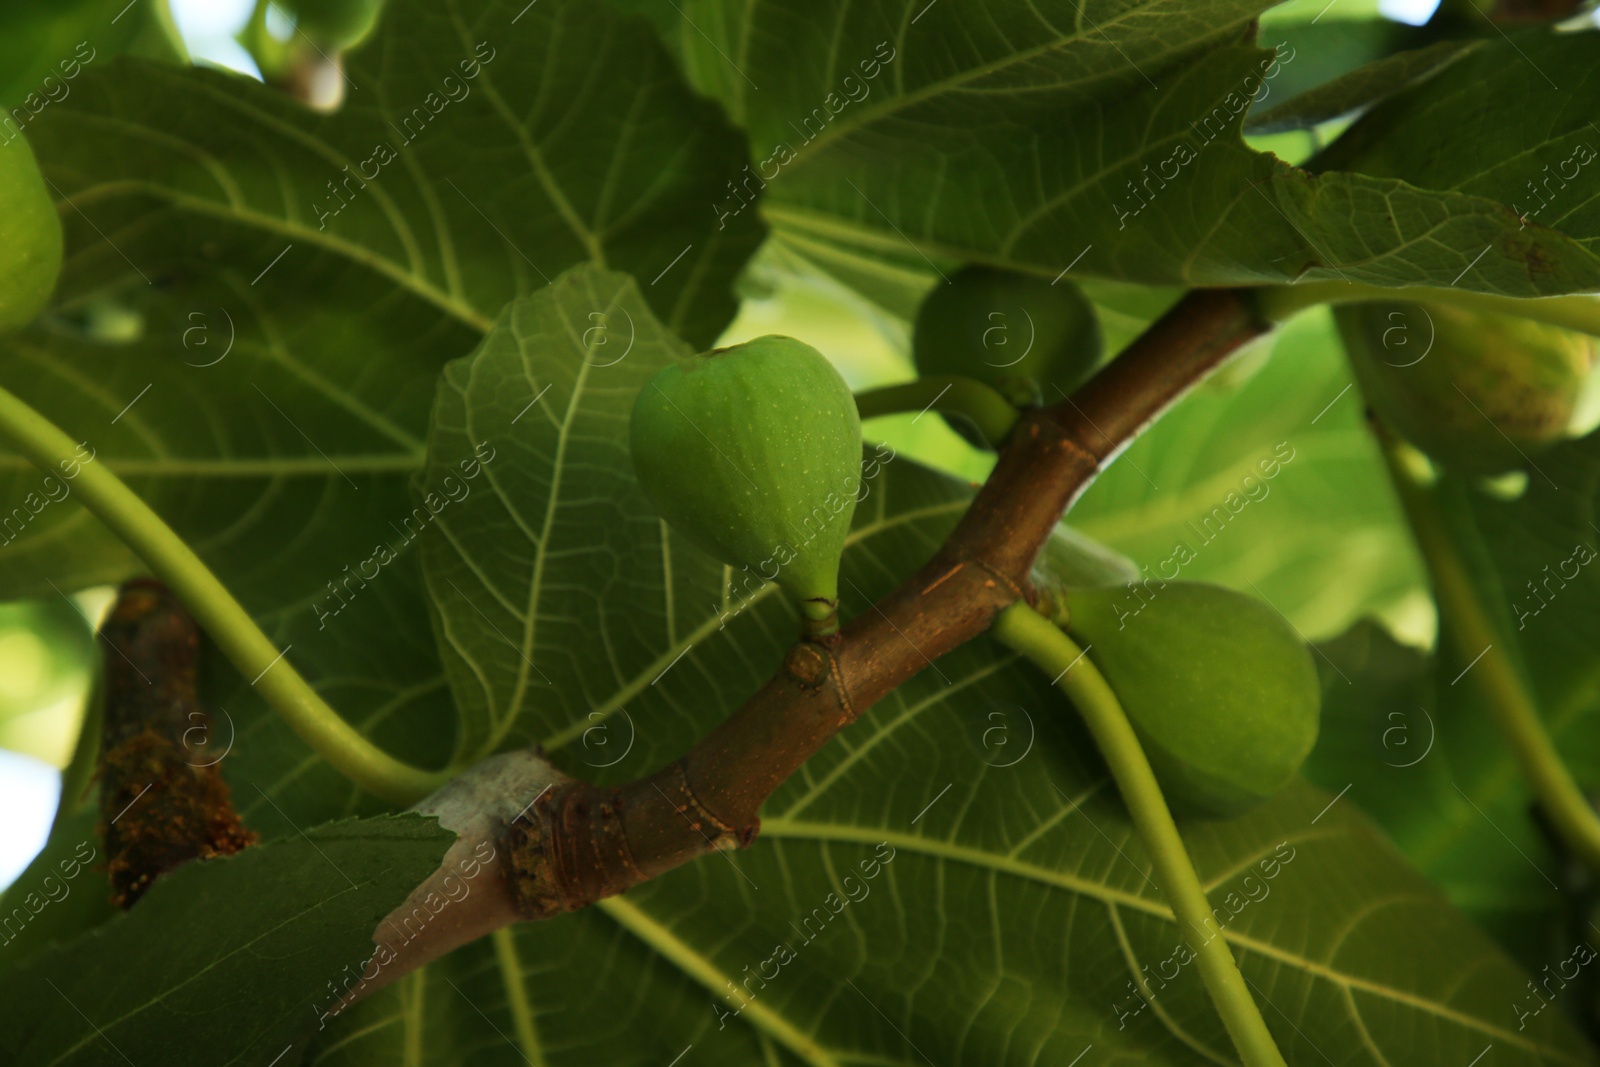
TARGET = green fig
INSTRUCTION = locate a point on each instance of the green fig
(30, 236)
(1219, 687)
(336, 23)
(753, 452)
(1031, 340)
(1479, 392)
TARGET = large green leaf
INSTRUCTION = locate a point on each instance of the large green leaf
(526, 568)
(556, 545)
(294, 315)
(1010, 927)
(224, 961)
(1020, 134)
(1453, 132)
(271, 397)
(1016, 911)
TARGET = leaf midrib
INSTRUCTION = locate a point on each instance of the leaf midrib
(530, 632)
(517, 1005)
(661, 940)
(535, 155)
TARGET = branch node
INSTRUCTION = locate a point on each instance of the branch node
(846, 705)
(807, 663)
(705, 814)
(999, 577)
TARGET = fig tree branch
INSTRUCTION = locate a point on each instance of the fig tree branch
(570, 843)
(556, 844)
(151, 709)
(589, 842)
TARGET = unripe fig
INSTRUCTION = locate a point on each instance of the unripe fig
(1019, 333)
(753, 452)
(336, 23)
(1219, 687)
(1490, 392)
(30, 236)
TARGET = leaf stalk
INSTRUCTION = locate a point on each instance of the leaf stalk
(1476, 638)
(1279, 303)
(1022, 628)
(949, 394)
(252, 653)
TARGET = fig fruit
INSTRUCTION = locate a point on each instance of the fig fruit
(1479, 392)
(1020, 334)
(336, 23)
(753, 452)
(30, 236)
(1219, 687)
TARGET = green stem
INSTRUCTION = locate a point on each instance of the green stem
(229, 625)
(1022, 628)
(1581, 313)
(1476, 640)
(982, 405)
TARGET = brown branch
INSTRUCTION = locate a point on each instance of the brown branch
(572, 843)
(163, 801)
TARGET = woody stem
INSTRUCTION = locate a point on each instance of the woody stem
(571, 843)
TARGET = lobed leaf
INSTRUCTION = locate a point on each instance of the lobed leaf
(1101, 139)
(1543, 166)
(255, 310)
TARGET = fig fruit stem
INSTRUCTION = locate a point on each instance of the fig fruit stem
(1476, 639)
(1024, 629)
(1278, 303)
(219, 614)
(949, 394)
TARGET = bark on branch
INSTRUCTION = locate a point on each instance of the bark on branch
(560, 844)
